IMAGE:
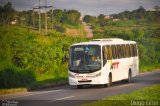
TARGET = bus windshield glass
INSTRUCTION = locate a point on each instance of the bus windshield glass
(85, 58)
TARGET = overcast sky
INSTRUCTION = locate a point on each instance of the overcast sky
(91, 7)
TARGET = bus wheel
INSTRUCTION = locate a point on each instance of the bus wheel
(79, 86)
(109, 81)
(104, 85)
(129, 77)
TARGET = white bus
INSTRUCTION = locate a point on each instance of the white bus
(102, 61)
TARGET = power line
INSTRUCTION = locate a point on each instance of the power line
(43, 7)
(46, 17)
(39, 18)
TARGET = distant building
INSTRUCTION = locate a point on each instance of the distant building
(81, 18)
(153, 10)
(108, 17)
(156, 8)
(115, 20)
(14, 22)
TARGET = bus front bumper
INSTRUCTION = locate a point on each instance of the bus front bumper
(88, 81)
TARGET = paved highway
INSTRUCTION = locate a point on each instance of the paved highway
(71, 96)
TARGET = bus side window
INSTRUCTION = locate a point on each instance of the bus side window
(135, 49)
(116, 53)
(113, 52)
(123, 49)
(119, 51)
(127, 51)
(130, 50)
(122, 52)
(104, 55)
(109, 52)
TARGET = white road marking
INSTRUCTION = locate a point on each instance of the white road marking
(65, 98)
(62, 98)
(36, 93)
(126, 85)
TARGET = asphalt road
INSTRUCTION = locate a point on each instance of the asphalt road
(71, 96)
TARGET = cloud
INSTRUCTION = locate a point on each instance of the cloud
(104, 6)
(94, 7)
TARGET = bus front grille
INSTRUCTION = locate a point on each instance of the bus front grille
(84, 81)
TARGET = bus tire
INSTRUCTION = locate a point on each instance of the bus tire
(109, 80)
(105, 85)
(129, 77)
(79, 86)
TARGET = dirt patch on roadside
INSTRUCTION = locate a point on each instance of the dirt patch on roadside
(72, 32)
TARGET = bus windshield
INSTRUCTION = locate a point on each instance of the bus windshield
(85, 58)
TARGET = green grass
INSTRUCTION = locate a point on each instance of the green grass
(47, 83)
(6, 91)
(151, 93)
(77, 26)
(149, 68)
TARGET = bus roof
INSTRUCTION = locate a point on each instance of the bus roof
(109, 41)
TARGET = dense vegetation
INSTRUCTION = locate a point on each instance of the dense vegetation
(57, 19)
(27, 57)
(139, 25)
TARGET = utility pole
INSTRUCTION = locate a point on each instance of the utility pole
(33, 19)
(52, 18)
(79, 29)
(39, 12)
(46, 23)
(39, 18)
(46, 17)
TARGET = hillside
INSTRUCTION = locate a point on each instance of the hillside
(139, 25)
(27, 57)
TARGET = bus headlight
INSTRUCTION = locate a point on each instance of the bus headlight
(97, 75)
(70, 75)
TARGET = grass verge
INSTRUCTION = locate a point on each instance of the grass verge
(149, 68)
(47, 84)
(6, 91)
(144, 95)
